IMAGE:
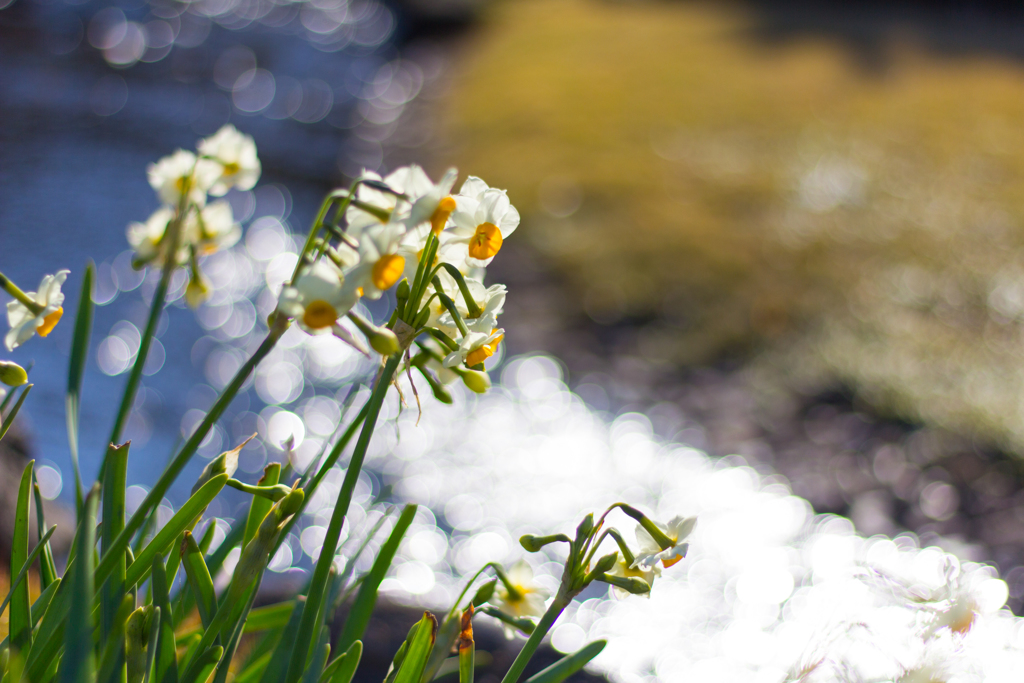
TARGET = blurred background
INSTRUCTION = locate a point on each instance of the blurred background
(781, 230)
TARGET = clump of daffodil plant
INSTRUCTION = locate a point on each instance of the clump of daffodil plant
(116, 613)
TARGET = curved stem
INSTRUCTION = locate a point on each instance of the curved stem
(558, 605)
(21, 296)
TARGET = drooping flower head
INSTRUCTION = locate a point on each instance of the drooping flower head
(651, 552)
(528, 599)
(626, 570)
(24, 322)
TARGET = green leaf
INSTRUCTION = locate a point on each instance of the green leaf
(568, 665)
(321, 654)
(447, 634)
(161, 543)
(21, 616)
(199, 579)
(420, 642)
(151, 646)
(114, 486)
(269, 617)
(76, 370)
(9, 420)
(260, 506)
(78, 663)
(278, 665)
(203, 664)
(165, 661)
(26, 565)
(467, 649)
(318, 582)
(253, 670)
(47, 567)
(182, 457)
(345, 666)
(112, 660)
(366, 598)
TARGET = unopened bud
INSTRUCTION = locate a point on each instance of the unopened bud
(477, 382)
(402, 291)
(384, 342)
(627, 583)
(12, 374)
(484, 592)
(197, 291)
(606, 563)
(534, 543)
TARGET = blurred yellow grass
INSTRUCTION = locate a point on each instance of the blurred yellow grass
(865, 227)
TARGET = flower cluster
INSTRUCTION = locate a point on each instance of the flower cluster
(516, 598)
(407, 230)
(187, 223)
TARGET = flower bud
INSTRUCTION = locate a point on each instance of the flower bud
(476, 381)
(384, 342)
(606, 563)
(627, 583)
(402, 291)
(534, 543)
(484, 593)
(12, 374)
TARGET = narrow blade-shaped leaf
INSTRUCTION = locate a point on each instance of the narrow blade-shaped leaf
(164, 538)
(321, 654)
(269, 617)
(25, 568)
(165, 666)
(260, 506)
(47, 567)
(76, 370)
(467, 648)
(278, 665)
(21, 615)
(420, 643)
(199, 579)
(366, 598)
(78, 663)
(346, 668)
(112, 659)
(568, 665)
(114, 486)
(9, 420)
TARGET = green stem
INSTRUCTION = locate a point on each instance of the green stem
(155, 311)
(558, 605)
(179, 461)
(21, 296)
(314, 598)
(469, 585)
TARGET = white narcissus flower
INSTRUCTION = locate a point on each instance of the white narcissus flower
(422, 199)
(145, 238)
(318, 298)
(212, 229)
(380, 265)
(24, 323)
(625, 570)
(171, 175)
(483, 219)
(491, 301)
(529, 601)
(475, 348)
(651, 553)
(235, 153)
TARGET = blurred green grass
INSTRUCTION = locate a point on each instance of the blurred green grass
(774, 202)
